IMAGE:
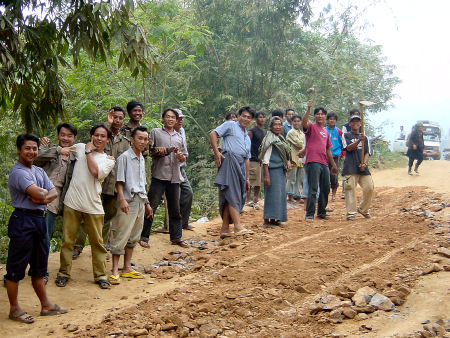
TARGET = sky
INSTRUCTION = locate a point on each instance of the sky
(414, 37)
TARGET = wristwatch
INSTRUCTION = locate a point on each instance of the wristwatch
(87, 152)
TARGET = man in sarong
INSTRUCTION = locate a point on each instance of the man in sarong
(233, 174)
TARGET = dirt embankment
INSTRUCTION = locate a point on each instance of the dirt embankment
(266, 284)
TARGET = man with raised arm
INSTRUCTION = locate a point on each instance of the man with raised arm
(318, 156)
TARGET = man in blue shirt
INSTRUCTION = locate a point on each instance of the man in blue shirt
(287, 124)
(233, 174)
(31, 191)
(336, 149)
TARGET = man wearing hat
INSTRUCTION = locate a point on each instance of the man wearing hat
(356, 173)
(415, 147)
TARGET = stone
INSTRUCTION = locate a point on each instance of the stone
(364, 309)
(381, 302)
(444, 252)
(363, 295)
(397, 300)
(169, 327)
(315, 308)
(184, 332)
(336, 314)
(434, 268)
(332, 302)
(361, 316)
(438, 329)
(426, 334)
(364, 327)
(349, 313)
(72, 328)
(138, 332)
(403, 289)
(301, 289)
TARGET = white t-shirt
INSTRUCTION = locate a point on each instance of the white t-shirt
(84, 189)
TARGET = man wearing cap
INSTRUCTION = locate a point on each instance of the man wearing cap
(186, 193)
(356, 173)
(415, 148)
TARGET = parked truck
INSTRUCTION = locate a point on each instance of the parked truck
(432, 139)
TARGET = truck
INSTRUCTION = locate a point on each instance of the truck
(432, 139)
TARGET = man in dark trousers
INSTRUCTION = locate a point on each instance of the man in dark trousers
(256, 135)
(318, 156)
(415, 148)
(31, 190)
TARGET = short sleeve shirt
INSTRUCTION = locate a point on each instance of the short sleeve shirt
(20, 178)
(84, 189)
(235, 140)
(317, 143)
(130, 170)
(352, 159)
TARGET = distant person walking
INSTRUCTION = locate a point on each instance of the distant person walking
(275, 155)
(415, 148)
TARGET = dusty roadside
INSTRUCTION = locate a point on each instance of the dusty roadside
(265, 284)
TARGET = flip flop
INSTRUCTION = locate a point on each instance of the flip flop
(244, 232)
(56, 311)
(22, 318)
(114, 279)
(144, 244)
(61, 281)
(132, 274)
(226, 235)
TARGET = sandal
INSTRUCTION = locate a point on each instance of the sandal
(224, 235)
(114, 279)
(181, 243)
(56, 311)
(132, 274)
(144, 244)
(244, 232)
(103, 283)
(23, 317)
(76, 253)
(61, 281)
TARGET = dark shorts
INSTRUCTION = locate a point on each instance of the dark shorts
(27, 245)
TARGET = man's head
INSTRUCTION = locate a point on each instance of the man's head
(180, 119)
(279, 113)
(100, 135)
(320, 115)
(67, 134)
(169, 118)
(289, 114)
(231, 116)
(27, 147)
(296, 122)
(354, 112)
(246, 114)
(260, 118)
(139, 138)
(135, 110)
(118, 117)
(355, 123)
(332, 119)
(419, 126)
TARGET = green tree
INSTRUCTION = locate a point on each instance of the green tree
(36, 36)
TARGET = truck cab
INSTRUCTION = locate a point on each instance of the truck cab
(432, 139)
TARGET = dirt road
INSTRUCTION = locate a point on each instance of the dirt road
(266, 284)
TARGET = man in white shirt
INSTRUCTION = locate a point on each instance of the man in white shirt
(83, 202)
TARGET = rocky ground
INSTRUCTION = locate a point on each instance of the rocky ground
(387, 276)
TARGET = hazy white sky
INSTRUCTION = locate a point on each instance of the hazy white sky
(414, 36)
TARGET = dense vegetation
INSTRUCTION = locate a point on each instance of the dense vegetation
(203, 56)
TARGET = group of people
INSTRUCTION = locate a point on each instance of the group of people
(295, 161)
(99, 188)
